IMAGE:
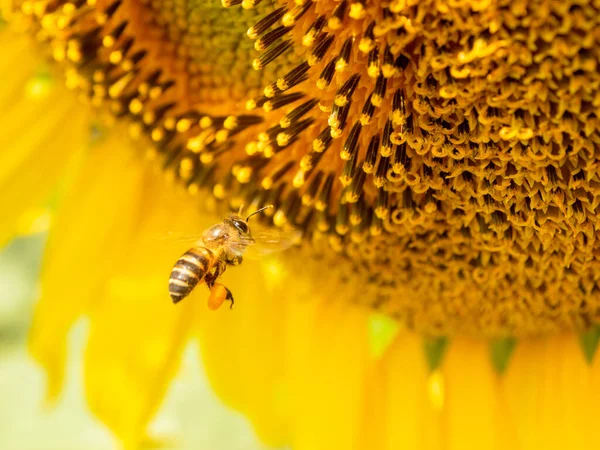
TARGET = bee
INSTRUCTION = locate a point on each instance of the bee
(220, 246)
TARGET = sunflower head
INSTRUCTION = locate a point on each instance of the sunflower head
(444, 152)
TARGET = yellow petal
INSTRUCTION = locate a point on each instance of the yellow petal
(327, 404)
(409, 419)
(137, 335)
(93, 223)
(243, 351)
(37, 157)
(551, 394)
(277, 361)
(135, 344)
(471, 416)
(15, 47)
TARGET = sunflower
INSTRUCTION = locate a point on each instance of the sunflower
(439, 160)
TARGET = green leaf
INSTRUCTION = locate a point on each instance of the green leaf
(435, 347)
(589, 343)
(501, 350)
(382, 331)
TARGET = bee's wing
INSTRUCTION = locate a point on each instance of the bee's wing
(176, 237)
(265, 242)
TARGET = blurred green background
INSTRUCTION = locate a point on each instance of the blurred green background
(192, 417)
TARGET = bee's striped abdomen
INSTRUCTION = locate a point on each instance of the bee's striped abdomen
(188, 271)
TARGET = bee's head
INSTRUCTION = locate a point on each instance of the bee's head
(240, 223)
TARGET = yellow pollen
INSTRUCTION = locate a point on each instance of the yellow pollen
(336, 132)
(251, 148)
(373, 71)
(279, 219)
(59, 54)
(205, 122)
(388, 70)
(357, 11)
(244, 174)
(385, 151)
(288, 19)
(308, 40)
(321, 83)
(334, 23)
(136, 106)
(282, 85)
(219, 191)
(101, 19)
(108, 41)
(306, 163)
(366, 45)
(63, 22)
(285, 122)
(170, 123)
(148, 117)
(345, 156)
(342, 229)
(398, 119)
(206, 158)
(221, 135)
(27, 8)
(74, 54)
(155, 92)
(340, 100)
(195, 144)
(98, 76)
(183, 125)
(127, 65)
(345, 180)
(186, 165)
(375, 230)
(299, 179)
(267, 183)
(157, 134)
(341, 65)
(269, 151)
(376, 100)
(318, 145)
(283, 139)
(115, 57)
(230, 123)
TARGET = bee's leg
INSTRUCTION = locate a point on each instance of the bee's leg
(229, 297)
(211, 278)
(235, 261)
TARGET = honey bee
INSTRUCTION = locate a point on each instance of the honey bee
(220, 246)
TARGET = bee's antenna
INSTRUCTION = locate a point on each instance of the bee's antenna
(240, 211)
(260, 210)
